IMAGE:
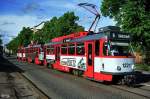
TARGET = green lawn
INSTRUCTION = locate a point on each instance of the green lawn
(142, 67)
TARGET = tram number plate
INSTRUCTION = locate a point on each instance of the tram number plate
(126, 65)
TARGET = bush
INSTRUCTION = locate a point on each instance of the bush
(142, 67)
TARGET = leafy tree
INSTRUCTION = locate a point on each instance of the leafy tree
(63, 25)
(23, 39)
(13, 44)
(1, 42)
(132, 16)
(25, 36)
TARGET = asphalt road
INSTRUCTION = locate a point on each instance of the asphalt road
(60, 85)
(13, 85)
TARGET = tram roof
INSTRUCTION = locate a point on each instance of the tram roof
(111, 32)
(95, 36)
(39, 45)
(53, 43)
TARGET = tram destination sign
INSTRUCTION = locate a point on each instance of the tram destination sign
(123, 36)
(66, 40)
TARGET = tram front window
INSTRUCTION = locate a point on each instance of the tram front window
(116, 49)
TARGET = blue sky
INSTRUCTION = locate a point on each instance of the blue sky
(15, 14)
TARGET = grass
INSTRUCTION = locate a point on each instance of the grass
(143, 67)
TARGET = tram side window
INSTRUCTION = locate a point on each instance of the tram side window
(31, 50)
(80, 49)
(50, 50)
(37, 49)
(41, 49)
(97, 45)
(64, 49)
(106, 49)
(26, 50)
(71, 49)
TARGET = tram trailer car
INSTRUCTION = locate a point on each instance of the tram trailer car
(1, 50)
(103, 56)
(31, 54)
(20, 54)
(35, 54)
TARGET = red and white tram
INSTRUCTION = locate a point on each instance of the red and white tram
(21, 54)
(32, 53)
(99, 56)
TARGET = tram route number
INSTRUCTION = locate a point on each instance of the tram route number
(126, 65)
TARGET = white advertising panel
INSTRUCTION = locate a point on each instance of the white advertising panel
(24, 55)
(77, 62)
(50, 57)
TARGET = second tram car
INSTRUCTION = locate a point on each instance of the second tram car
(35, 54)
(21, 54)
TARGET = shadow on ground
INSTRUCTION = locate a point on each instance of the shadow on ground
(142, 77)
(8, 67)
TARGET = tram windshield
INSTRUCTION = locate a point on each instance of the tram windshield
(116, 49)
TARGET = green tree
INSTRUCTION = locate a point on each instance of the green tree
(23, 39)
(63, 25)
(25, 36)
(132, 16)
(1, 42)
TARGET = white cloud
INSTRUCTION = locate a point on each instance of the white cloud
(12, 24)
(19, 22)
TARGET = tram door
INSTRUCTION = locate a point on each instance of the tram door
(57, 53)
(90, 59)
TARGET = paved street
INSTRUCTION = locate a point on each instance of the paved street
(13, 85)
(60, 85)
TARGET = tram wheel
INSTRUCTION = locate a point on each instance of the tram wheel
(75, 72)
(50, 66)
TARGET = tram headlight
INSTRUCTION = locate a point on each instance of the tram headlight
(118, 68)
(133, 67)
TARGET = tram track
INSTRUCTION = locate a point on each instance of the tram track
(138, 91)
